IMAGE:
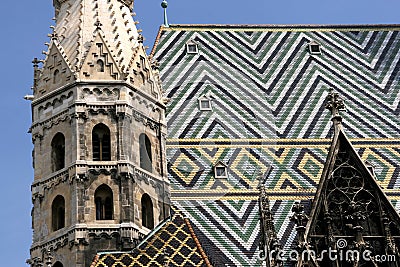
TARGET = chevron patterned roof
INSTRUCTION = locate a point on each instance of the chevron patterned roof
(267, 94)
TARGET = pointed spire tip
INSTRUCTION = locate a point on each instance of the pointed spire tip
(334, 103)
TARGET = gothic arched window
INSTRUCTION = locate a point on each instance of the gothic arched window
(58, 213)
(58, 152)
(58, 264)
(101, 143)
(100, 65)
(147, 212)
(103, 198)
(145, 152)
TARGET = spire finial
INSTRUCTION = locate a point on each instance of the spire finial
(335, 104)
(35, 62)
(164, 5)
(53, 35)
(98, 24)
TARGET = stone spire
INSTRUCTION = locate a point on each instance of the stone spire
(95, 40)
(79, 21)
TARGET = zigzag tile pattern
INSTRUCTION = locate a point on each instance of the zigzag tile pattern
(296, 165)
(268, 83)
(268, 119)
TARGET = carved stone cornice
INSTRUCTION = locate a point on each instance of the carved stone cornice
(118, 109)
(145, 120)
(80, 234)
(83, 171)
(38, 187)
(94, 172)
(141, 175)
(59, 98)
(38, 127)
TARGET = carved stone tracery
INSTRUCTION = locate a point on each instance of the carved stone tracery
(356, 213)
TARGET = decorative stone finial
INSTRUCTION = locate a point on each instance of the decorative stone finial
(164, 5)
(54, 36)
(35, 62)
(98, 24)
(335, 104)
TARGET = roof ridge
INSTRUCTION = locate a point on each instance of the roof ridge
(197, 242)
(154, 231)
(157, 41)
(344, 25)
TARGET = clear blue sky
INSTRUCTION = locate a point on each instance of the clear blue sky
(24, 28)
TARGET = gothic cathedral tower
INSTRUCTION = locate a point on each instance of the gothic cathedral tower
(98, 129)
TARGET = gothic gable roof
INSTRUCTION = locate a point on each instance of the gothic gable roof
(56, 71)
(350, 209)
(346, 174)
(99, 51)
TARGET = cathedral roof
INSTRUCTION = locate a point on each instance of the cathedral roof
(267, 85)
(173, 243)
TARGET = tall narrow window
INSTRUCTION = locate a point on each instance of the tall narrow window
(58, 264)
(147, 212)
(58, 152)
(142, 77)
(100, 65)
(58, 213)
(101, 143)
(56, 76)
(103, 198)
(145, 152)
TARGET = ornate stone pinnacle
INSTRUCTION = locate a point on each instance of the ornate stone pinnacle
(35, 62)
(334, 103)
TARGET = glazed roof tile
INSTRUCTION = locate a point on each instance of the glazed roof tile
(268, 118)
(174, 243)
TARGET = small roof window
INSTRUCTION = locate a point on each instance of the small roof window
(192, 47)
(314, 48)
(220, 170)
(205, 103)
